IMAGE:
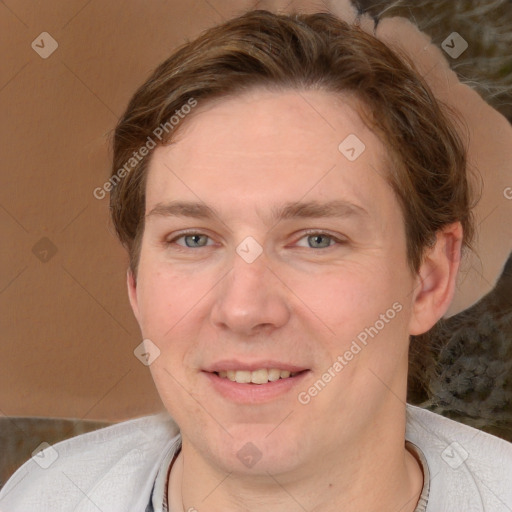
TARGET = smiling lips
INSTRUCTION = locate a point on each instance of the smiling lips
(260, 376)
(255, 382)
(254, 372)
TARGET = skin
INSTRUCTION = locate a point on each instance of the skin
(297, 302)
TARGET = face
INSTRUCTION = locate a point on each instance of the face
(273, 242)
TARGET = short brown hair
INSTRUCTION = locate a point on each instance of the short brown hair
(427, 159)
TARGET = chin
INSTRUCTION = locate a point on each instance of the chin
(256, 450)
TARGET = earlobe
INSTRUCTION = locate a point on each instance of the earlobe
(131, 284)
(435, 283)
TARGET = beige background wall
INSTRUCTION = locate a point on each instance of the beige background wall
(67, 333)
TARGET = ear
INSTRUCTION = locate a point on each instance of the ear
(436, 279)
(131, 284)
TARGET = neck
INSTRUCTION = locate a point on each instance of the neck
(369, 475)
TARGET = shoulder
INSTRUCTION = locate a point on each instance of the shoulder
(108, 469)
(469, 469)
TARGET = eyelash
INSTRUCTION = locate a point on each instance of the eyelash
(305, 235)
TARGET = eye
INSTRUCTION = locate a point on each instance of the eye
(320, 240)
(313, 240)
(192, 240)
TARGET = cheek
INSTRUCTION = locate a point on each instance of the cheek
(362, 303)
(156, 301)
(343, 295)
(164, 298)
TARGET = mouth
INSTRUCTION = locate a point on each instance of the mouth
(258, 377)
(254, 384)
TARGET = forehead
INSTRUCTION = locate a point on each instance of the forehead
(266, 147)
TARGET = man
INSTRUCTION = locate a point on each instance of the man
(303, 213)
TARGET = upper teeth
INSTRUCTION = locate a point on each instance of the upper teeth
(256, 377)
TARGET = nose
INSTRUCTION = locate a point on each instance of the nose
(251, 299)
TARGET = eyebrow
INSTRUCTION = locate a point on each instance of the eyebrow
(290, 210)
